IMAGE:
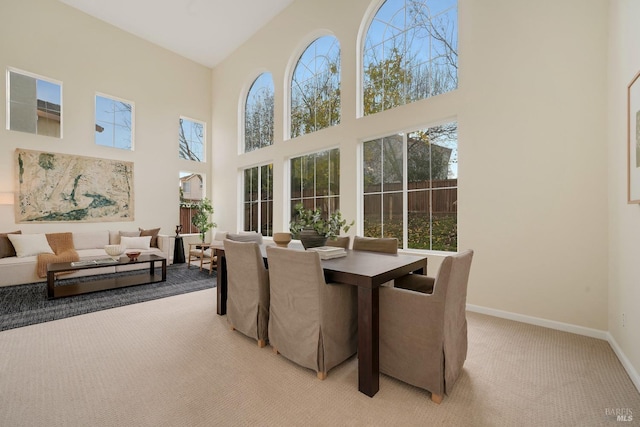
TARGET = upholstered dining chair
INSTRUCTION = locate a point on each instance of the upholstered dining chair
(248, 290)
(246, 236)
(340, 242)
(388, 245)
(423, 336)
(311, 322)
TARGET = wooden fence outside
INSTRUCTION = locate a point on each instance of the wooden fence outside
(442, 194)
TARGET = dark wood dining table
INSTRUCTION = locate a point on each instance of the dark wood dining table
(367, 271)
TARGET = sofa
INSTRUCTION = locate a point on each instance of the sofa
(16, 270)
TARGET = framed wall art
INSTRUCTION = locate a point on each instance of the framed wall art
(53, 187)
(633, 140)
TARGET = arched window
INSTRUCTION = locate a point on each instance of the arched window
(315, 87)
(410, 53)
(258, 114)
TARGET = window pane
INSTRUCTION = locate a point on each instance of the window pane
(309, 176)
(372, 166)
(113, 122)
(35, 105)
(373, 215)
(296, 180)
(258, 127)
(322, 174)
(392, 219)
(315, 87)
(191, 139)
(392, 163)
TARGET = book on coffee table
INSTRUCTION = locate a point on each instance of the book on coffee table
(99, 261)
(329, 252)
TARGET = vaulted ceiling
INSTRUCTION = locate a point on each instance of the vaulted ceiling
(205, 31)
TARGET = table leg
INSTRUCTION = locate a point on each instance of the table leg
(164, 270)
(368, 341)
(221, 285)
(51, 277)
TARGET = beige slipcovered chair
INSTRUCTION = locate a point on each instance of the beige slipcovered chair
(246, 236)
(311, 322)
(388, 245)
(248, 290)
(423, 336)
(339, 242)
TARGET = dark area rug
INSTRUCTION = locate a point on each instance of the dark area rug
(24, 305)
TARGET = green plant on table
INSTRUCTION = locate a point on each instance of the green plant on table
(312, 219)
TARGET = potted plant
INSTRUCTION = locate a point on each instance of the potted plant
(313, 229)
(202, 218)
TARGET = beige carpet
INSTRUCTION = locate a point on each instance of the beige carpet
(173, 362)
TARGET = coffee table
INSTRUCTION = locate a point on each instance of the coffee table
(117, 281)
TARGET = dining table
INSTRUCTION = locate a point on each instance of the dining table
(364, 269)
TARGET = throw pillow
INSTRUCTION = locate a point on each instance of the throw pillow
(30, 244)
(126, 234)
(135, 242)
(153, 232)
(6, 248)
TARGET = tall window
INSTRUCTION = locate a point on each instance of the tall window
(411, 188)
(191, 139)
(315, 181)
(114, 122)
(410, 53)
(315, 88)
(258, 199)
(258, 114)
(34, 104)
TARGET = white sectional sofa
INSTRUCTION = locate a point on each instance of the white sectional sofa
(89, 245)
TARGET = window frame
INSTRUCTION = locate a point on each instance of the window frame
(289, 122)
(181, 120)
(332, 197)
(259, 201)
(405, 191)
(243, 118)
(363, 36)
(9, 101)
(115, 99)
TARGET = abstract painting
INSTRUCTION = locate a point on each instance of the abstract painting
(55, 187)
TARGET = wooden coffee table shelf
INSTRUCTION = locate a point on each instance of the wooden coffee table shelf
(102, 284)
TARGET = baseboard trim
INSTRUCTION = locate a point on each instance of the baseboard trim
(631, 371)
(560, 326)
(565, 327)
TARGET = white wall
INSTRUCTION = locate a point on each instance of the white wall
(531, 114)
(624, 223)
(51, 39)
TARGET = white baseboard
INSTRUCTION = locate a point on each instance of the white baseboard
(560, 326)
(565, 327)
(631, 371)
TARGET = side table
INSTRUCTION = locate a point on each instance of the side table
(178, 251)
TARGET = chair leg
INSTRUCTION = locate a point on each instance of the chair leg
(436, 398)
(322, 376)
(275, 350)
(262, 343)
(232, 328)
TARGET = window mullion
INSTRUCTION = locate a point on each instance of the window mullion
(405, 197)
